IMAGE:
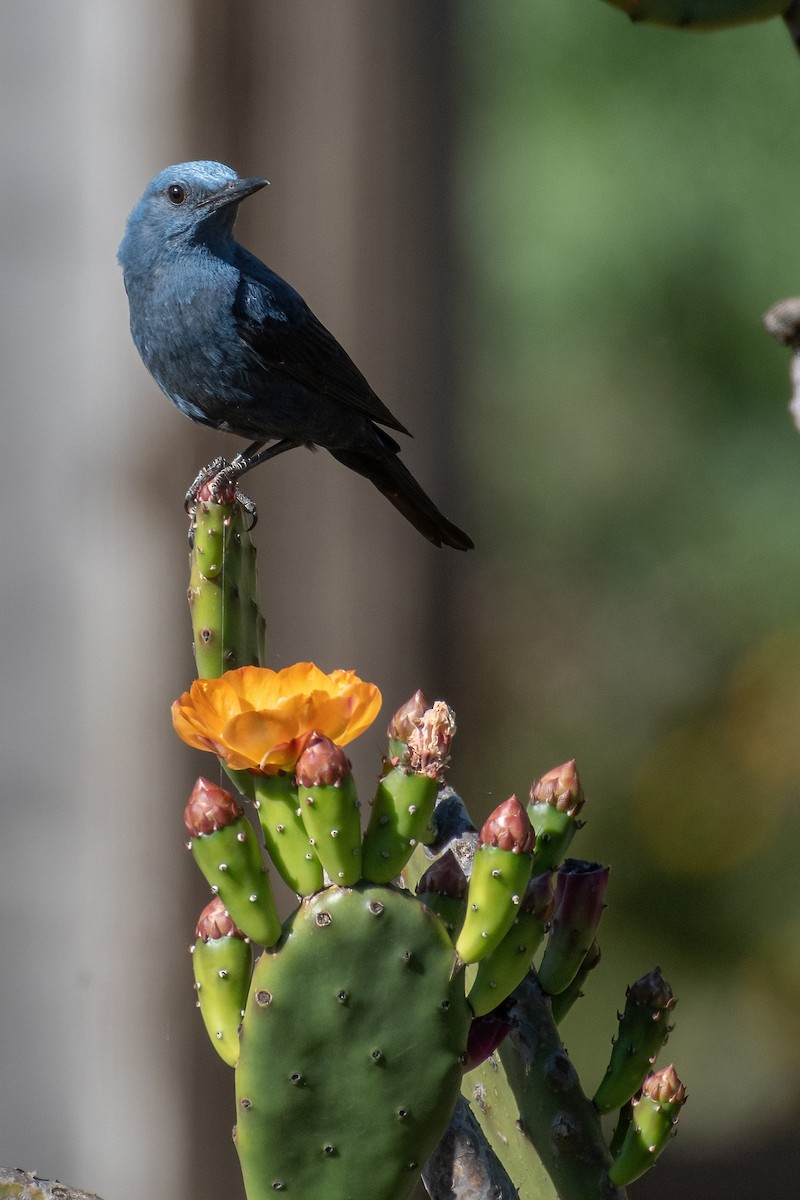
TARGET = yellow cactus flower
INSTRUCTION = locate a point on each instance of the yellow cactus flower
(259, 720)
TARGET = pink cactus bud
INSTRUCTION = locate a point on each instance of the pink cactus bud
(561, 788)
(509, 828)
(210, 807)
(322, 763)
(215, 923)
(664, 1087)
(226, 492)
(404, 721)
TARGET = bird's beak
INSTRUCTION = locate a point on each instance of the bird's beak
(233, 192)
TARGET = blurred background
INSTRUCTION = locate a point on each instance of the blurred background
(547, 237)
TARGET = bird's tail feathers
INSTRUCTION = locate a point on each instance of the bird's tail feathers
(401, 489)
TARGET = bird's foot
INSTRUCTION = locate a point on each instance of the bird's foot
(201, 479)
(217, 482)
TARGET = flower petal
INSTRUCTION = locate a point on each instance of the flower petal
(259, 720)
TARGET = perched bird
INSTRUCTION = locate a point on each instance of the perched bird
(235, 347)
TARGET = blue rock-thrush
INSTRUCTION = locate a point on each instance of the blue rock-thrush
(235, 347)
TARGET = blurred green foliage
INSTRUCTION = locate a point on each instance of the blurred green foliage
(628, 202)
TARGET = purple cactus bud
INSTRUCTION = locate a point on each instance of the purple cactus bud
(664, 1087)
(430, 741)
(322, 763)
(404, 721)
(444, 878)
(653, 990)
(485, 1035)
(580, 893)
(509, 828)
(210, 808)
(215, 923)
(561, 788)
(539, 897)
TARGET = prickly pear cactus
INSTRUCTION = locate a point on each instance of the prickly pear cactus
(372, 1009)
(354, 1102)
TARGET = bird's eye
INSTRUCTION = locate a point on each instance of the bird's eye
(176, 193)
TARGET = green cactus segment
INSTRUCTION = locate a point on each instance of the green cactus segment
(331, 819)
(554, 832)
(285, 834)
(400, 818)
(561, 1123)
(222, 975)
(652, 1123)
(251, 651)
(495, 1107)
(443, 889)
(563, 1002)
(351, 1049)
(449, 910)
(556, 800)
(496, 886)
(507, 965)
(580, 900)
(227, 624)
(231, 862)
(643, 1030)
(701, 14)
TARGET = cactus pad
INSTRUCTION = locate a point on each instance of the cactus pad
(351, 1049)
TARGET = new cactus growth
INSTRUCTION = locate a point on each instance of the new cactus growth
(563, 1002)
(654, 1116)
(501, 870)
(354, 1102)
(329, 809)
(227, 623)
(403, 724)
(406, 795)
(643, 1030)
(221, 960)
(579, 903)
(443, 889)
(556, 800)
(508, 964)
(224, 847)
(285, 835)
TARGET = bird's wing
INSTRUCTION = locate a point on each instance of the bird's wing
(280, 327)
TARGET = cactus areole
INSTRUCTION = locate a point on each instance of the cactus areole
(353, 1108)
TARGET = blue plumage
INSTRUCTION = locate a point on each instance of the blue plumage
(235, 347)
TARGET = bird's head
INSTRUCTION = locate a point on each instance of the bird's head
(183, 202)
